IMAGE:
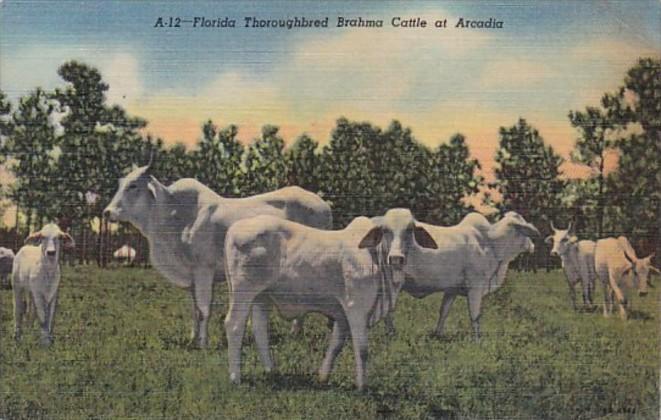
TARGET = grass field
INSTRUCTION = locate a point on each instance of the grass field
(122, 350)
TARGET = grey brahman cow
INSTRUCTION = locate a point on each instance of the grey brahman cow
(185, 224)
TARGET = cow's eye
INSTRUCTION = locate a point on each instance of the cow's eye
(132, 187)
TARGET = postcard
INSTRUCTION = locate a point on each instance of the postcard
(302, 209)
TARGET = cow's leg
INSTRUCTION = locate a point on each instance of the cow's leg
(51, 314)
(235, 325)
(390, 324)
(621, 299)
(195, 329)
(202, 295)
(585, 282)
(41, 307)
(603, 278)
(474, 310)
(260, 330)
(571, 284)
(572, 295)
(358, 326)
(446, 304)
(337, 339)
(20, 306)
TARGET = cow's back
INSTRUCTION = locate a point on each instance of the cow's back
(609, 255)
(298, 205)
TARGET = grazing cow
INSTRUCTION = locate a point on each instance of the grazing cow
(36, 277)
(471, 260)
(619, 269)
(186, 222)
(577, 259)
(126, 254)
(6, 263)
(352, 276)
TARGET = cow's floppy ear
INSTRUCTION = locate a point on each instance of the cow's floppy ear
(549, 239)
(655, 270)
(67, 240)
(34, 238)
(423, 238)
(372, 239)
(526, 229)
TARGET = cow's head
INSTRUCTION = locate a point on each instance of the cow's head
(50, 238)
(400, 234)
(137, 195)
(561, 239)
(513, 235)
(641, 269)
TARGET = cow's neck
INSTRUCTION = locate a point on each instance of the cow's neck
(569, 256)
(162, 218)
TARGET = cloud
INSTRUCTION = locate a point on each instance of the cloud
(376, 69)
(514, 73)
(230, 98)
(122, 73)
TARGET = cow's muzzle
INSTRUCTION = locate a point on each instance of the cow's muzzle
(396, 261)
(50, 253)
(642, 293)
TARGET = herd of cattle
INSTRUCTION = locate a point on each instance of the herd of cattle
(277, 250)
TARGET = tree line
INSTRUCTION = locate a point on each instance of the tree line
(68, 171)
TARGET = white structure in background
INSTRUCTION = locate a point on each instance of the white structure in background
(125, 254)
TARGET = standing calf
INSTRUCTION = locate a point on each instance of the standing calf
(619, 269)
(352, 276)
(36, 276)
(577, 259)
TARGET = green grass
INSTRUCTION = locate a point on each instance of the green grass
(122, 350)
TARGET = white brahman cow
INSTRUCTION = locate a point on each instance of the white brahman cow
(36, 277)
(185, 224)
(619, 270)
(6, 263)
(352, 276)
(577, 259)
(471, 260)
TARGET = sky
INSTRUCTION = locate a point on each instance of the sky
(550, 57)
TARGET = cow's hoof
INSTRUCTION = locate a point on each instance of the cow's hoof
(323, 377)
(235, 379)
(46, 341)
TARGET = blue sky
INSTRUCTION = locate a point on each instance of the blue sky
(550, 57)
